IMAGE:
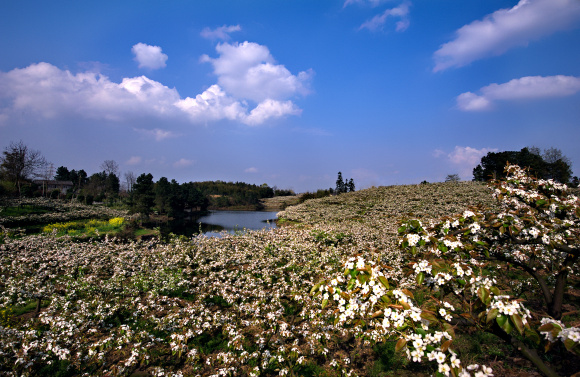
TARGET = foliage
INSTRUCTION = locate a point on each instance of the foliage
(20, 163)
(462, 259)
(551, 165)
(236, 305)
(229, 194)
(27, 211)
(143, 195)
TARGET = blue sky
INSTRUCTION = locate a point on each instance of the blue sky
(289, 92)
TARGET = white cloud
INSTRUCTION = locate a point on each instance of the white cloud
(248, 71)
(212, 105)
(529, 87)
(379, 21)
(270, 109)
(149, 56)
(222, 32)
(464, 159)
(134, 160)
(251, 170)
(183, 163)
(45, 91)
(507, 28)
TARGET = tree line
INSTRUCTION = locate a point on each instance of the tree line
(25, 172)
(551, 164)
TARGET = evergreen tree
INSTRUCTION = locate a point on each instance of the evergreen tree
(62, 174)
(351, 186)
(143, 194)
(340, 185)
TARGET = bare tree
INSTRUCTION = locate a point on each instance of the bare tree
(110, 166)
(20, 163)
(452, 178)
(130, 179)
(552, 155)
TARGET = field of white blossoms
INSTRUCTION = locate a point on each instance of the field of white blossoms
(257, 303)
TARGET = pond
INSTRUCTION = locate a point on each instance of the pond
(233, 221)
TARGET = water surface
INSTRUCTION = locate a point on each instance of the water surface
(236, 221)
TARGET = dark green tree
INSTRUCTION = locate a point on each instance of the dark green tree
(78, 178)
(350, 185)
(62, 174)
(340, 185)
(143, 194)
(163, 195)
(112, 185)
(551, 165)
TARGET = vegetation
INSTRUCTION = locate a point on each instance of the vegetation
(552, 164)
(20, 164)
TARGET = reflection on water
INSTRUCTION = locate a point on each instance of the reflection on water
(233, 221)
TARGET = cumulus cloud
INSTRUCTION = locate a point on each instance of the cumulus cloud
(507, 28)
(464, 159)
(270, 109)
(222, 32)
(529, 87)
(149, 56)
(45, 91)
(248, 71)
(251, 170)
(378, 22)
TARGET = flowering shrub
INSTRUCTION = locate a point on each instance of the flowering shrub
(60, 211)
(461, 259)
(242, 304)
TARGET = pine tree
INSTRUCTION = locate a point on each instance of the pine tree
(350, 185)
(340, 185)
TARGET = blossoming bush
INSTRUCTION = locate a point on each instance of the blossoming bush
(461, 259)
(60, 211)
(255, 304)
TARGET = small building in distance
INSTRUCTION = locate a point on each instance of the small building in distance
(49, 185)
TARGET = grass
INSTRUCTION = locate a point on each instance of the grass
(23, 211)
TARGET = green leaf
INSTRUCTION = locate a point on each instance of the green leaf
(516, 319)
(363, 278)
(384, 281)
(532, 335)
(507, 327)
(324, 303)
(483, 294)
(402, 229)
(569, 343)
(315, 288)
(501, 319)
(420, 277)
(491, 315)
